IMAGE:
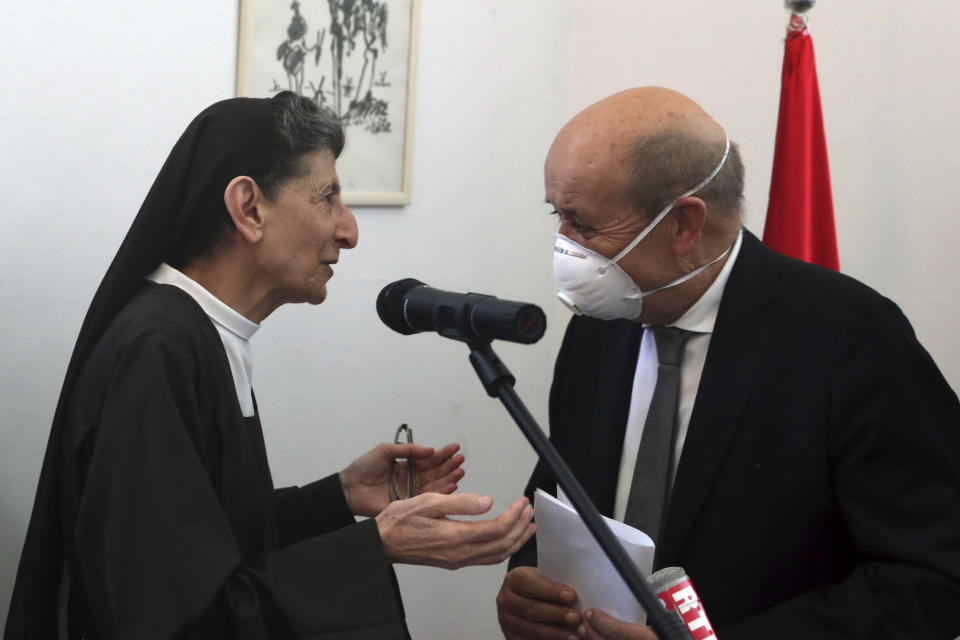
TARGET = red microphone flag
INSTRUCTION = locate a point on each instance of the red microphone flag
(800, 211)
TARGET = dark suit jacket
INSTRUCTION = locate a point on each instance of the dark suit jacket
(818, 492)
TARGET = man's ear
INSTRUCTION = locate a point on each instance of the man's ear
(242, 197)
(690, 214)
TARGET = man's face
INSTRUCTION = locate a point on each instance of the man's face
(305, 227)
(585, 183)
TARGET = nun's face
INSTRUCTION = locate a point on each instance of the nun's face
(305, 228)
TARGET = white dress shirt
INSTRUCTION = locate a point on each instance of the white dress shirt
(235, 330)
(699, 320)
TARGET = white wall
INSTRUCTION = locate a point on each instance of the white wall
(93, 95)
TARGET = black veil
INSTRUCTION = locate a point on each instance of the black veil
(229, 138)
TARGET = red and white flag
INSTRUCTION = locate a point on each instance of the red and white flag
(800, 211)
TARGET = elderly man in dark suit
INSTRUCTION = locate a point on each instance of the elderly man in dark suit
(775, 426)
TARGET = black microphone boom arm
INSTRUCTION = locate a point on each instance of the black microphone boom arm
(498, 382)
(409, 306)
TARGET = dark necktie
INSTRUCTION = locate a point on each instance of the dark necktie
(648, 493)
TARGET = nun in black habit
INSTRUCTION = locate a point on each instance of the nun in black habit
(156, 515)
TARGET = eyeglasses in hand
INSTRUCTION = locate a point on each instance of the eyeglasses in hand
(404, 435)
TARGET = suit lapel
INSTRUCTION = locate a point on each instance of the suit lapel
(741, 339)
(614, 382)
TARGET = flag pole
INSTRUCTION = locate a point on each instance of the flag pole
(799, 220)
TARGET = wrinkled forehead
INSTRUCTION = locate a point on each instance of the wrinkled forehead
(316, 172)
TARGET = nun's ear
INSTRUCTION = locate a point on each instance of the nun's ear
(241, 198)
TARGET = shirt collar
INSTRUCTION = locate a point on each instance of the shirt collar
(701, 317)
(218, 310)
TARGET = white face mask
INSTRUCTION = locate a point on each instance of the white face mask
(591, 284)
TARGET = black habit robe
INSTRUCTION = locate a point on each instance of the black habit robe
(178, 530)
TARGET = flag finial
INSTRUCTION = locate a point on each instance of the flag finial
(798, 15)
(799, 6)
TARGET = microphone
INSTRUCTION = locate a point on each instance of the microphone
(409, 306)
(676, 593)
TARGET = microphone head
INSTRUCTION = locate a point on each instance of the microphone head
(390, 304)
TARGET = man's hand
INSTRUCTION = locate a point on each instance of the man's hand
(418, 531)
(530, 607)
(366, 481)
(599, 626)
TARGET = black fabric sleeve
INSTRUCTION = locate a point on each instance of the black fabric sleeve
(156, 551)
(314, 509)
(896, 478)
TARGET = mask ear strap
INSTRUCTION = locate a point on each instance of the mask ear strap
(643, 234)
(650, 227)
(689, 275)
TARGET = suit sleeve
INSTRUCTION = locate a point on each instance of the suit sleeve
(156, 552)
(542, 478)
(895, 464)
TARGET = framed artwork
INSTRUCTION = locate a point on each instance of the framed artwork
(357, 58)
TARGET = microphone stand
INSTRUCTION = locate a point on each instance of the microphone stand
(498, 383)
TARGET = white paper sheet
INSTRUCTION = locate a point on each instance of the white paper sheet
(567, 553)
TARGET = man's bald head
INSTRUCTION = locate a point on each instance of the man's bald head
(654, 144)
(642, 111)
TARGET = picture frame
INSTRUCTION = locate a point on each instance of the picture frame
(357, 58)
